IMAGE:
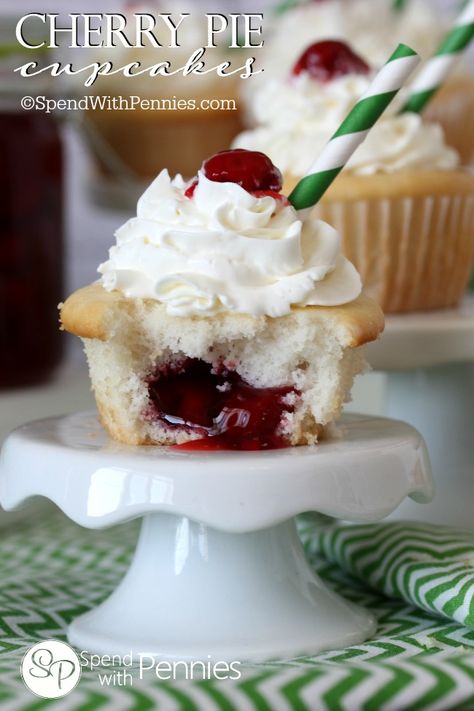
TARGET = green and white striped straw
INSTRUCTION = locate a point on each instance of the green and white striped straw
(399, 5)
(286, 5)
(437, 68)
(355, 128)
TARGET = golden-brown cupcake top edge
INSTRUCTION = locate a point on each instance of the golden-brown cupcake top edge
(90, 312)
(402, 184)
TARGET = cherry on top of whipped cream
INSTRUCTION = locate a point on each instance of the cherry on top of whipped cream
(252, 170)
(328, 60)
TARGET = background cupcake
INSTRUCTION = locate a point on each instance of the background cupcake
(402, 205)
(297, 116)
(405, 211)
(131, 146)
(372, 27)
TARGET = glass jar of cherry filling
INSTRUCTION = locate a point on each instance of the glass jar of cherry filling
(31, 231)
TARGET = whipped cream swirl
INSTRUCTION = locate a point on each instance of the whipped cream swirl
(293, 149)
(303, 101)
(301, 130)
(226, 250)
(400, 143)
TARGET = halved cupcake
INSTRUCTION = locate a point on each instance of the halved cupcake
(221, 320)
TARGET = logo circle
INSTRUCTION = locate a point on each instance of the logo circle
(51, 669)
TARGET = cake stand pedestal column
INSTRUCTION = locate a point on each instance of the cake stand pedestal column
(219, 572)
(238, 596)
(430, 384)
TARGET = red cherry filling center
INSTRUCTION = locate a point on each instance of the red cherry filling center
(220, 406)
(328, 60)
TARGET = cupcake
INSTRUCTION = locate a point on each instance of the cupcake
(453, 108)
(371, 27)
(221, 320)
(402, 205)
(131, 146)
(405, 211)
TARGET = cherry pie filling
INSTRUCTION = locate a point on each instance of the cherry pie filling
(220, 406)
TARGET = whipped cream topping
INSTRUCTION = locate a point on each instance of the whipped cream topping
(298, 119)
(292, 149)
(403, 142)
(226, 250)
(301, 100)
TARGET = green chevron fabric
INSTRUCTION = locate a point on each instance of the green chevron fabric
(51, 571)
(429, 566)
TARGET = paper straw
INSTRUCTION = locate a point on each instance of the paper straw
(436, 69)
(286, 5)
(355, 127)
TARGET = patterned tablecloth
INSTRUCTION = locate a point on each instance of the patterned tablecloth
(51, 571)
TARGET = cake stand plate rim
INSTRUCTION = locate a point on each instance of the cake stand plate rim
(103, 484)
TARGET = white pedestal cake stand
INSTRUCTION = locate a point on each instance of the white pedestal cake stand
(219, 572)
(430, 384)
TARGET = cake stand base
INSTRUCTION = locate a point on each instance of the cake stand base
(195, 593)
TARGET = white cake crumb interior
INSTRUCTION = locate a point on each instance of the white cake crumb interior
(308, 350)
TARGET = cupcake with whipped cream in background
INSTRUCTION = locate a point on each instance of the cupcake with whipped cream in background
(371, 27)
(221, 320)
(131, 146)
(297, 117)
(402, 205)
